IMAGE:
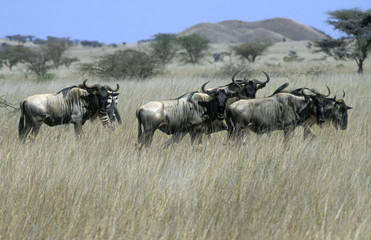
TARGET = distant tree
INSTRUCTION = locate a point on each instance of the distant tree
(54, 49)
(195, 46)
(356, 24)
(94, 44)
(38, 62)
(11, 55)
(18, 38)
(163, 47)
(251, 50)
(39, 41)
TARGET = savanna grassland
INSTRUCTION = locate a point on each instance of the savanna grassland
(102, 187)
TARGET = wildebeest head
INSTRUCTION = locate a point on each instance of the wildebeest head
(317, 100)
(220, 97)
(250, 87)
(105, 97)
(339, 113)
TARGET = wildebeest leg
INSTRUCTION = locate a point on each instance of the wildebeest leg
(26, 130)
(230, 125)
(35, 129)
(175, 138)
(287, 132)
(196, 135)
(238, 134)
(78, 128)
(308, 132)
(148, 137)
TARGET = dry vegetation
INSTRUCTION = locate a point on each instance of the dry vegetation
(102, 188)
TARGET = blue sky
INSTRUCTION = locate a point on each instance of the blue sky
(114, 21)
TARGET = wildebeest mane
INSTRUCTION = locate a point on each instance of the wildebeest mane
(65, 91)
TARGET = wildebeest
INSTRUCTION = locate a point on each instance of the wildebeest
(190, 113)
(336, 111)
(282, 111)
(75, 105)
(245, 89)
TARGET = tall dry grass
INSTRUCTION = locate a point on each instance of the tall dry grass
(102, 188)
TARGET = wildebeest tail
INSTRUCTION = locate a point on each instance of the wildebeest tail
(21, 125)
(283, 86)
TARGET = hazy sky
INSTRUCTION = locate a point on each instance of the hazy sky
(114, 21)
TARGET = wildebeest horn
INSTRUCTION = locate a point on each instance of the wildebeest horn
(203, 87)
(259, 82)
(93, 86)
(117, 88)
(234, 75)
(329, 92)
(343, 93)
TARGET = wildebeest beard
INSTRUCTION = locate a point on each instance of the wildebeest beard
(211, 109)
(91, 106)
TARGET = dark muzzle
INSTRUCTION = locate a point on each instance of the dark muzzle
(320, 115)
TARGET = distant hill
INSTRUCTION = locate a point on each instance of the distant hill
(235, 31)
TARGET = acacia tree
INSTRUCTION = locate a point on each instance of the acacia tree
(336, 48)
(163, 47)
(10, 55)
(251, 50)
(356, 25)
(55, 48)
(195, 46)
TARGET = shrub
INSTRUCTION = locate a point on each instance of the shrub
(46, 77)
(124, 64)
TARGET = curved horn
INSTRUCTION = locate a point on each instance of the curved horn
(329, 92)
(203, 87)
(234, 75)
(259, 82)
(343, 93)
(93, 86)
(84, 83)
(117, 88)
(268, 78)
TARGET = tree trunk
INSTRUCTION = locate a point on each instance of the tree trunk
(360, 66)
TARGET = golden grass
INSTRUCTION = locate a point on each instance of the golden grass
(102, 188)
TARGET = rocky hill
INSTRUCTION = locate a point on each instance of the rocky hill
(235, 31)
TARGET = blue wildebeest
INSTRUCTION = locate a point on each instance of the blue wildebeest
(336, 111)
(75, 105)
(282, 111)
(190, 113)
(246, 89)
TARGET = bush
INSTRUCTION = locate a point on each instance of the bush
(124, 64)
(12, 55)
(292, 57)
(46, 77)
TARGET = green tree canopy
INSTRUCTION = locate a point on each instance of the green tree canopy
(356, 25)
(163, 47)
(10, 55)
(251, 50)
(195, 46)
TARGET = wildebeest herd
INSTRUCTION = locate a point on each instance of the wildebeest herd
(232, 107)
